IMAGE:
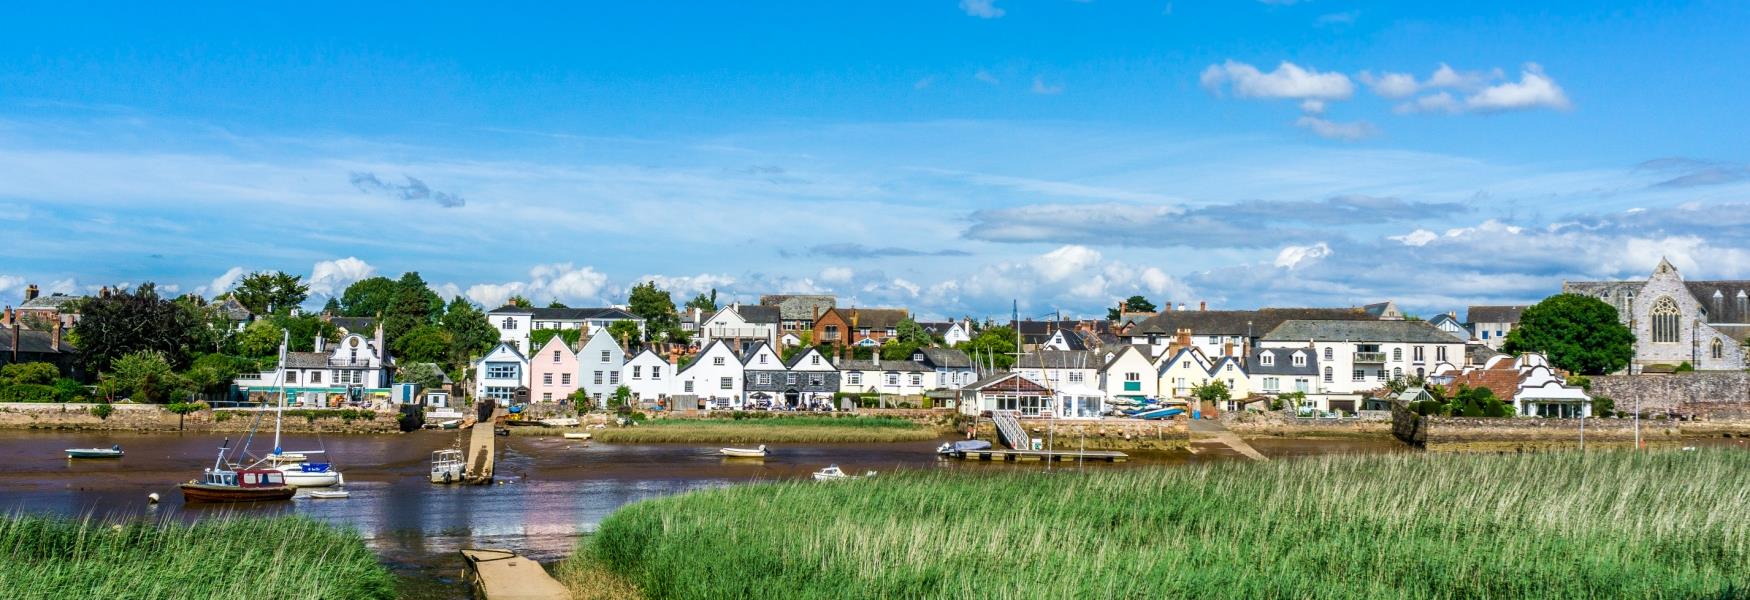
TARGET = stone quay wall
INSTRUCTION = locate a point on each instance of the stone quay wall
(1706, 395)
(150, 417)
(1524, 433)
(1278, 424)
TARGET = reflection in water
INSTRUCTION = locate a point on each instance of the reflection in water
(551, 490)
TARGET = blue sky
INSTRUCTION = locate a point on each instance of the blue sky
(947, 156)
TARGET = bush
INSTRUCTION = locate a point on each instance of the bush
(28, 392)
(34, 373)
(102, 411)
(1603, 406)
(68, 390)
(1685, 367)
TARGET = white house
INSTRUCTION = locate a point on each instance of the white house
(887, 377)
(1182, 370)
(1277, 371)
(500, 373)
(599, 365)
(1356, 357)
(348, 370)
(952, 368)
(742, 326)
(514, 324)
(1058, 369)
(1064, 340)
(1128, 372)
(960, 331)
(648, 375)
(714, 376)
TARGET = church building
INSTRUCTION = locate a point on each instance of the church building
(1703, 323)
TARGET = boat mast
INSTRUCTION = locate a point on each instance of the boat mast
(280, 410)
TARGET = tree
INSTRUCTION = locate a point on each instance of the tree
(1576, 332)
(706, 304)
(910, 332)
(426, 343)
(1131, 304)
(519, 301)
(621, 399)
(1212, 392)
(213, 373)
(260, 339)
(540, 337)
(35, 373)
(124, 323)
(269, 293)
(332, 307)
(625, 332)
(556, 304)
(369, 297)
(993, 345)
(414, 305)
(303, 330)
(426, 375)
(470, 333)
(656, 307)
(145, 376)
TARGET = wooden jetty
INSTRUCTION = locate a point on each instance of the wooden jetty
(1001, 454)
(503, 575)
(482, 450)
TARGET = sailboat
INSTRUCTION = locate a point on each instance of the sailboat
(295, 466)
(219, 484)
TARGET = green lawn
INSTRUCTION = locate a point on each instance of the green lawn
(1556, 525)
(227, 558)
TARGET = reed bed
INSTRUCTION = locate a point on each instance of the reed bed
(224, 558)
(1554, 525)
(775, 430)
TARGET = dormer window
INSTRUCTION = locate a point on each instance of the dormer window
(1299, 359)
(1267, 359)
(919, 357)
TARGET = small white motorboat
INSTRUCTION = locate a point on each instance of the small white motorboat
(110, 452)
(577, 435)
(329, 494)
(759, 452)
(560, 422)
(446, 466)
(834, 473)
(963, 446)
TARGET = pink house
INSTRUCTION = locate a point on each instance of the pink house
(552, 372)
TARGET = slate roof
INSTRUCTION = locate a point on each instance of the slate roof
(1003, 381)
(51, 301)
(1059, 359)
(234, 310)
(1378, 309)
(1726, 310)
(798, 307)
(566, 314)
(1436, 320)
(797, 359)
(1234, 322)
(1494, 314)
(359, 325)
(754, 313)
(33, 342)
(1070, 338)
(1045, 328)
(873, 318)
(1283, 362)
(936, 327)
(1480, 354)
(1360, 331)
(946, 358)
(307, 360)
(902, 366)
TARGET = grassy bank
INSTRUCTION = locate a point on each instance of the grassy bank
(242, 558)
(774, 430)
(1663, 524)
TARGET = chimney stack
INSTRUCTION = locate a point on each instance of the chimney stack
(1202, 305)
(31, 292)
(103, 292)
(55, 337)
(319, 342)
(1181, 306)
(6, 317)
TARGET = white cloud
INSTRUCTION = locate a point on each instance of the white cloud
(494, 295)
(1447, 77)
(566, 283)
(1418, 238)
(836, 274)
(10, 282)
(1337, 131)
(1039, 86)
(1312, 107)
(1390, 85)
(1292, 257)
(329, 277)
(1287, 81)
(986, 76)
(1533, 90)
(223, 283)
(1441, 102)
(983, 9)
(1061, 263)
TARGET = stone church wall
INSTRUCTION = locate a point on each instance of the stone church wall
(1715, 396)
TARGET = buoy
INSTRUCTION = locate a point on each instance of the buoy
(152, 498)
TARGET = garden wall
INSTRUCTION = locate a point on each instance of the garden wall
(1710, 395)
(1278, 424)
(1523, 433)
(149, 417)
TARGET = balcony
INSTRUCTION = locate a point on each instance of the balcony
(1370, 358)
(361, 363)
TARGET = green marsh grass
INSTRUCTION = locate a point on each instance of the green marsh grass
(222, 558)
(772, 430)
(1553, 525)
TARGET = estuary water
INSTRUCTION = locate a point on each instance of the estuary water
(551, 490)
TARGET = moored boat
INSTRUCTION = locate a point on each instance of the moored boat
(446, 466)
(110, 452)
(963, 446)
(219, 484)
(329, 494)
(759, 452)
(576, 435)
(834, 473)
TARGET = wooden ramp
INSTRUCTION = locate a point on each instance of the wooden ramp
(482, 450)
(1210, 431)
(502, 575)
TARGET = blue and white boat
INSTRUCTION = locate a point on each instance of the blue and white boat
(963, 446)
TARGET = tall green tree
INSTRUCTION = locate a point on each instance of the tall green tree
(556, 304)
(332, 307)
(470, 333)
(910, 332)
(303, 331)
(146, 376)
(426, 343)
(267, 293)
(414, 305)
(1576, 332)
(140, 321)
(626, 333)
(992, 345)
(705, 304)
(369, 297)
(1133, 304)
(656, 306)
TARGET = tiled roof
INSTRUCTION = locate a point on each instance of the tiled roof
(903, 366)
(1360, 331)
(873, 318)
(947, 358)
(51, 301)
(1494, 314)
(1720, 298)
(33, 341)
(1503, 382)
(565, 314)
(1238, 322)
(1045, 328)
(306, 360)
(1059, 359)
(798, 307)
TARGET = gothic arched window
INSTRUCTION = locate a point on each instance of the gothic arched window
(1719, 349)
(1665, 314)
(1327, 354)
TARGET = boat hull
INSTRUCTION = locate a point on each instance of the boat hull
(198, 492)
(738, 453)
(94, 454)
(296, 478)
